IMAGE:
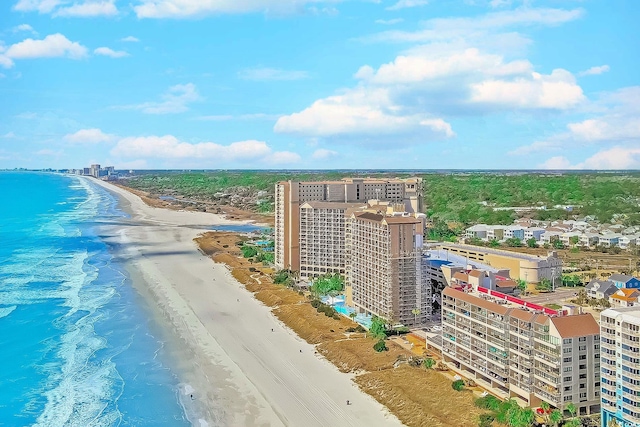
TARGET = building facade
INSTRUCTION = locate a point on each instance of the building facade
(322, 238)
(530, 356)
(620, 358)
(290, 195)
(384, 270)
(529, 268)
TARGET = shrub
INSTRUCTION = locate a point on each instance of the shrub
(457, 385)
(489, 402)
(486, 420)
(315, 303)
(380, 346)
(252, 269)
(428, 363)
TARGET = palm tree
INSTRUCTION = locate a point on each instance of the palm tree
(353, 315)
(571, 408)
(415, 312)
(555, 417)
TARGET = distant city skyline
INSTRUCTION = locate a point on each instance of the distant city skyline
(320, 84)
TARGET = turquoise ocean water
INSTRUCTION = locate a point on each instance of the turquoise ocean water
(76, 345)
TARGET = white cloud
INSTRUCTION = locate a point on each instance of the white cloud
(2, 76)
(266, 74)
(360, 112)
(8, 135)
(23, 27)
(389, 21)
(499, 3)
(41, 6)
(48, 152)
(175, 100)
(88, 136)
(403, 4)
(283, 158)
(484, 27)
(192, 8)
(614, 158)
(557, 90)
(324, 154)
(55, 45)
(105, 51)
(130, 39)
(88, 9)
(618, 123)
(226, 117)
(594, 70)
(170, 147)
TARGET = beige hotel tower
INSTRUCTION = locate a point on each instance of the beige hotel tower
(324, 204)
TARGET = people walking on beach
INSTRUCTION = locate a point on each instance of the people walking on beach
(348, 403)
(271, 329)
(300, 351)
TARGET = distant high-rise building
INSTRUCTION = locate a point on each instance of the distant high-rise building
(620, 359)
(95, 171)
(290, 195)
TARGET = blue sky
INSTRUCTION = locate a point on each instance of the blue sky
(320, 84)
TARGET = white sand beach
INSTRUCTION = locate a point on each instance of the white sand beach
(239, 372)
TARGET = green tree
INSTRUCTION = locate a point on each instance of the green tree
(571, 408)
(544, 285)
(380, 346)
(574, 240)
(574, 422)
(532, 243)
(416, 312)
(494, 243)
(428, 363)
(522, 285)
(513, 242)
(458, 385)
(326, 284)
(571, 280)
(555, 417)
(557, 244)
(353, 315)
(378, 327)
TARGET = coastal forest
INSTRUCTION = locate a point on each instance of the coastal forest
(455, 197)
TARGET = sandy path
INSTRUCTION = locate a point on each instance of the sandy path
(242, 373)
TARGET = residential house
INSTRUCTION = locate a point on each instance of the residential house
(533, 233)
(514, 232)
(566, 238)
(624, 298)
(495, 232)
(625, 281)
(609, 240)
(600, 289)
(625, 241)
(549, 237)
(589, 239)
(478, 231)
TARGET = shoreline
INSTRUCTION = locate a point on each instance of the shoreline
(240, 374)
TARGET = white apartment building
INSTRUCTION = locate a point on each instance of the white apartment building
(322, 238)
(620, 359)
(522, 354)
